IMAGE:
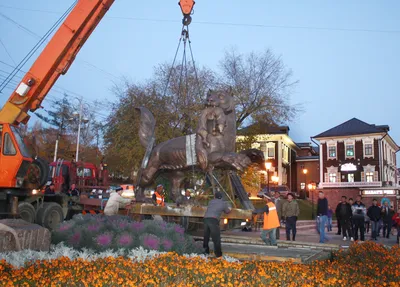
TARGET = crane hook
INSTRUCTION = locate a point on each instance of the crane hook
(187, 8)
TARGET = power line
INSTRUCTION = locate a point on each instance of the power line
(230, 23)
(9, 55)
(27, 30)
(55, 87)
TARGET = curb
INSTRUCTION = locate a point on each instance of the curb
(282, 244)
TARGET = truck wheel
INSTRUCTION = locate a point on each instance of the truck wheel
(49, 215)
(27, 212)
(38, 172)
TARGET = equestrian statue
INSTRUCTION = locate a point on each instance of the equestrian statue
(211, 147)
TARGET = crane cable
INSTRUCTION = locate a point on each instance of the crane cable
(184, 37)
(35, 48)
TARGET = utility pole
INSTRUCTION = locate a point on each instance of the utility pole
(80, 120)
(79, 130)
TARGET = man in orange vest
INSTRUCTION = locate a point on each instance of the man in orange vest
(271, 221)
(158, 196)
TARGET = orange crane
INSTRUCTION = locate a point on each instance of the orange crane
(20, 174)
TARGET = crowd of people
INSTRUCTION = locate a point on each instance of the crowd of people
(355, 219)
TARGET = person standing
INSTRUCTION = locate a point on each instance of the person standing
(73, 191)
(115, 202)
(374, 214)
(343, 211)
(211, 223)
(158, 196)
(396, 220)
(278, 204)
(271, 221)
(339, 232)
(359, 212)
(387, 214)
(290, 211)
(322, 216)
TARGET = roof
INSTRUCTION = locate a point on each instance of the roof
(316, 149)
(353, 126)
(303, 145)
(263, 128)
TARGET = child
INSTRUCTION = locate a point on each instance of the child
(330, 214)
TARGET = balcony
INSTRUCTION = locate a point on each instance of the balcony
(350, 184)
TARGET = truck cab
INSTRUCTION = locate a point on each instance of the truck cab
(86, 176)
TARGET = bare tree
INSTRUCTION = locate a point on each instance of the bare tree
(261, 84)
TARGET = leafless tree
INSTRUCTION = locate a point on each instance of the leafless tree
(261, 84)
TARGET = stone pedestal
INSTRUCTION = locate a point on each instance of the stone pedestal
(30, 236)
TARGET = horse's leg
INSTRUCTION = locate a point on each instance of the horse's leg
(176, 177)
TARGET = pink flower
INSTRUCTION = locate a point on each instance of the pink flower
(104, 239)
(137, 226)
(75, 238)
(179, 229)
(64, 227)
(125, 240)
(93, 227)
(151, 242)
(167, 244)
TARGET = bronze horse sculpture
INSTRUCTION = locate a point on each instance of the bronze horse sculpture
(213, 145)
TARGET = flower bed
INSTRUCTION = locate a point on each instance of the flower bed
(100, 233)
(367, 264)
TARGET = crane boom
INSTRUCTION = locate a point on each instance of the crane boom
(54, 60)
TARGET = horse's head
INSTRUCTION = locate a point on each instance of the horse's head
(221, 99)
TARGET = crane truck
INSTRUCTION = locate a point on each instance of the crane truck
(21, 175)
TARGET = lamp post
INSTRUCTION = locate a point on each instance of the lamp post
(81, 119)
(312, 187)
(305, 171)
(268, 166)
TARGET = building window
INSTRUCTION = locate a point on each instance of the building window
(369, 176)
(350, 177)
(271, 152)
(368, 149)
(332, 177)
(350, 150)
(332, 151)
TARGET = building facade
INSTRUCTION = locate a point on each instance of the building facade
(358, 158)
(278, 148)
(307, 168)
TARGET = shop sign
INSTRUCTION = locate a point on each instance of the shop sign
(348, 167)
(379, 192)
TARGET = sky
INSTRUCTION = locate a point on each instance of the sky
(343, 53)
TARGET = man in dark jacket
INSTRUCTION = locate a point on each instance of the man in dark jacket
(387, 214)
(344, 213)
(374, 214)
(73, 191)
(339, 227)
(359, 212)
(211, 223)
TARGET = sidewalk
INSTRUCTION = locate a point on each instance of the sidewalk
(310, 235)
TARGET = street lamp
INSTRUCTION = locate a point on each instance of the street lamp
(305, 171)
(81, 119)
(268, 166)
(310, 188)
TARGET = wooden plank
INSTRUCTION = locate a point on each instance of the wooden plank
(189, 211)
